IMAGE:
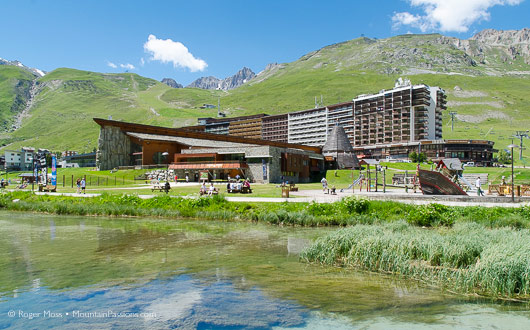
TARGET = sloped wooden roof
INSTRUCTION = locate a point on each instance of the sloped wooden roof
(337, 141)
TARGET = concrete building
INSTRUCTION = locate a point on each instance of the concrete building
(391, 123)
(20, 160)
(478, 151)
(308, 127)
(204, 155)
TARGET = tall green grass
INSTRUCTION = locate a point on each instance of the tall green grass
(349, 211)
(467, 258)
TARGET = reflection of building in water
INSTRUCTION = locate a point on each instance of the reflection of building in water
(295, 245)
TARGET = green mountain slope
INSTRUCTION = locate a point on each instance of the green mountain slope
(487, 84)
(68, 99)
(15, 85)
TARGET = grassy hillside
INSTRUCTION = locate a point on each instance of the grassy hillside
(68, 99)
(15, 82)
(491, 101)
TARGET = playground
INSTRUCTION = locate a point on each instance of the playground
(378, 181)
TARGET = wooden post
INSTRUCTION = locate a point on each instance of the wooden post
(376, 178)
(123, 180)
(98, 181)
(107, 183)
(384, 181)
(114, 180)
(63, 180)
(72, 180)
(369, 179)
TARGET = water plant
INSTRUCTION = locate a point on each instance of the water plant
(466, 258)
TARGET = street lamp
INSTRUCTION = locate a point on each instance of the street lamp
(166, 155)
(511, 146)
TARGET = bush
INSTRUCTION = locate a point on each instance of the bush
(431, 215)
(355, 205)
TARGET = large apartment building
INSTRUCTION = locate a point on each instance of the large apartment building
(308, 127)
(402, 114)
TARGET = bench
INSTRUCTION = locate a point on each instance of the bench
(400, 178)
(292, 187)
(202, 192)
(246, 190)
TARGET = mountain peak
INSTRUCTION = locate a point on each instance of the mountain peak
(38, 73)
(241, 77)
(171, 83)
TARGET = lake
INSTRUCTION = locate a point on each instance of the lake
(106, 273)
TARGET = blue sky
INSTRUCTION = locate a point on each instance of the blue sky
(190, 39)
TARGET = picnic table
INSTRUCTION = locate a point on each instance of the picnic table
(161, 187)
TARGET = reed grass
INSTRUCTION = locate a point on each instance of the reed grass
(466, 258)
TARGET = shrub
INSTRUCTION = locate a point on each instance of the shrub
(355, 205)
(431, 215)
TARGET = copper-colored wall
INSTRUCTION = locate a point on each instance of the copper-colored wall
(149, 148)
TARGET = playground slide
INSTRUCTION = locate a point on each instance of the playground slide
(354, 183)
(467, 183)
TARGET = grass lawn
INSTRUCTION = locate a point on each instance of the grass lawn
(123, 181)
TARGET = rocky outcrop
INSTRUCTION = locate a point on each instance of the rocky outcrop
(240, 78)
(206, 83)
(171, 83)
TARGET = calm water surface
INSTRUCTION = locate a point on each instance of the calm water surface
(100, 273)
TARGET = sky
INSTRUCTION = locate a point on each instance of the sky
(185, 40)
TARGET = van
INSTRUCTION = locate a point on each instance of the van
(470, 164)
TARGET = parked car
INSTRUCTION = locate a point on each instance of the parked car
(470, 164)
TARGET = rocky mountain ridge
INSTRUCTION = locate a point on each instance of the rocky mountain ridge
(240, 78)
(171, 83)
(37, 72)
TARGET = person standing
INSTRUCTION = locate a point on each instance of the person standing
(83, 185)
(187, 178)
(324, 184)
(479, 190)
(78, 185)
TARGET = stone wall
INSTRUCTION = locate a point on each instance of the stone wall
(114, 148)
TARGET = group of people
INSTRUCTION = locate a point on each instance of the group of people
(210, 190)
(81, 185)
(238, 185)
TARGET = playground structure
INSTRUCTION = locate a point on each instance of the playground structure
(504, 189)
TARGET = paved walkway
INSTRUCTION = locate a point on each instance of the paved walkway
(318, 196)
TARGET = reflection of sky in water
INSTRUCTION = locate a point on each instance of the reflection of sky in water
(182, 302)
(179, 302)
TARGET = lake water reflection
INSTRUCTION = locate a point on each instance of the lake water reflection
(82, 272)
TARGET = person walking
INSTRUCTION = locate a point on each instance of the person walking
(83, 185)
(78, 185)
(324, 184)
(479, 190)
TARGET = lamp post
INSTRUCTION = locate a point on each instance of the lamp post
(511, 146)
(166, 155)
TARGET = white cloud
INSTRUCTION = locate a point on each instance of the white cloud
(448, 15)
(173, 51)
(142, 61)
(112, 65)
(127, 66)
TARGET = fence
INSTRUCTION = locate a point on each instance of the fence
(92, 181)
